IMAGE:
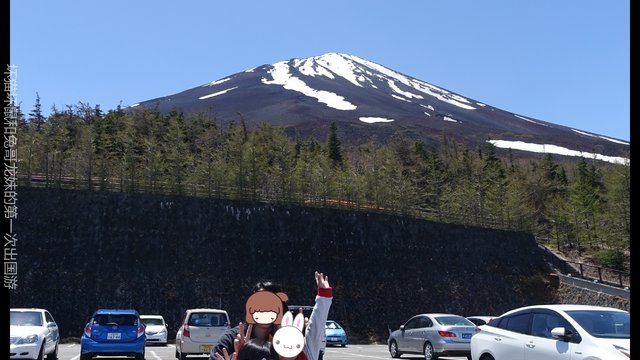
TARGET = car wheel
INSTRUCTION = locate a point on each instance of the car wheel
(343, 345)
(140, 356)
(486, 357)
(428, 352)
(41, 353)
(393, 349)
(84, 356)
(181, 355)
(54, 354)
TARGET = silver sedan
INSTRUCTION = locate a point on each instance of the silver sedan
(433, 335)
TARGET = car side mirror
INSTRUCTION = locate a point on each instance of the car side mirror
(51, 324)
(561, 333)
(401, 327)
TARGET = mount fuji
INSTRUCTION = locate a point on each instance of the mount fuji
(366, 99)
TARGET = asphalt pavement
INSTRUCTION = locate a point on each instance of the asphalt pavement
(156, 352)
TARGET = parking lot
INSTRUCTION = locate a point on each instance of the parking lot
(362, 352)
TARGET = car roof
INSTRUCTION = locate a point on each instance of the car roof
(151, 316)
(116, 312)
(565, 307)
(481, 317)
(206, 310)
(26, 309)
(437, 314)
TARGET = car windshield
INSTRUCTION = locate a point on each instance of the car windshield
(115, 319)
(332, 325)
(207, 319)
(152, 321)
(26, 318)
(603, 323)
(453, 320)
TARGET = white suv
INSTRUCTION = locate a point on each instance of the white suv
(33, 334)
(549, 332)
(200, 331)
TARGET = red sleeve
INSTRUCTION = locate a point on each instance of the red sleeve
(328, 292)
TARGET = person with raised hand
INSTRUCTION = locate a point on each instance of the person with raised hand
(290, 342)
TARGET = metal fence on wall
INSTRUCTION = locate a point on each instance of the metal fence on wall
(590, 272)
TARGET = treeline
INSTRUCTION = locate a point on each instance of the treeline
(581, 205)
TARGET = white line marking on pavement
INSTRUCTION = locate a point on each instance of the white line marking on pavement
(155, 355)
(75, 357)
(70, 346)
(369, 356)
(171, 345)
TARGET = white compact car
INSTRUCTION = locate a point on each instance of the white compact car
(555, 332)
(200, 331)
(32, 334)
(155, 329)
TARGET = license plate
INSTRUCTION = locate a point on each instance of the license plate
(114, 336)
(333, 339)
(205, 348)
(466, 335)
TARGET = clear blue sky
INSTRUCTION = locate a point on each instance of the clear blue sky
(565, 62)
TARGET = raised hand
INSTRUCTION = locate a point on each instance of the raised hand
(242, 337)
(226, 356)
(322, 281)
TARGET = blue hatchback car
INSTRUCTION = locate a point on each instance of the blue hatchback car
(113, 332)
(335, 334)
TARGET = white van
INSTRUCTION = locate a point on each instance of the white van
(199, 331)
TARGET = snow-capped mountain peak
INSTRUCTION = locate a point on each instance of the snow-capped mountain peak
(366, 98)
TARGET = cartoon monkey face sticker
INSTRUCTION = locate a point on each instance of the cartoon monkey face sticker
(288, 341)
(265, 307)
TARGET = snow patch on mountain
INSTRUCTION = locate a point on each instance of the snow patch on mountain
(529, 120)
(426, 113)
(310, 68)
(400, 98)
(406, 94)
(339, 66)
(388, 74)
(217, 93)
(428, 107)
(481, 104)
(447, 118)
(134, 105)
(281, 76)
(371, 120)
(601, 137)
(555, 149)
(217, 82)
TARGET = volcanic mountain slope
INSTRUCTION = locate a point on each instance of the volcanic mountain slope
(365, 99)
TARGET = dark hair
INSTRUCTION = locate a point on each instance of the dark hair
(272, 287)
(255, 349)
(267, 286)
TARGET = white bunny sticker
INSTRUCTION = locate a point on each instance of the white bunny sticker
(288, 341)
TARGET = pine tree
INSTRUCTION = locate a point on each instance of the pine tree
(35, 116)
(587, 200)
(334, 147)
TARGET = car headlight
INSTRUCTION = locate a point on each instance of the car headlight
(31, 339)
